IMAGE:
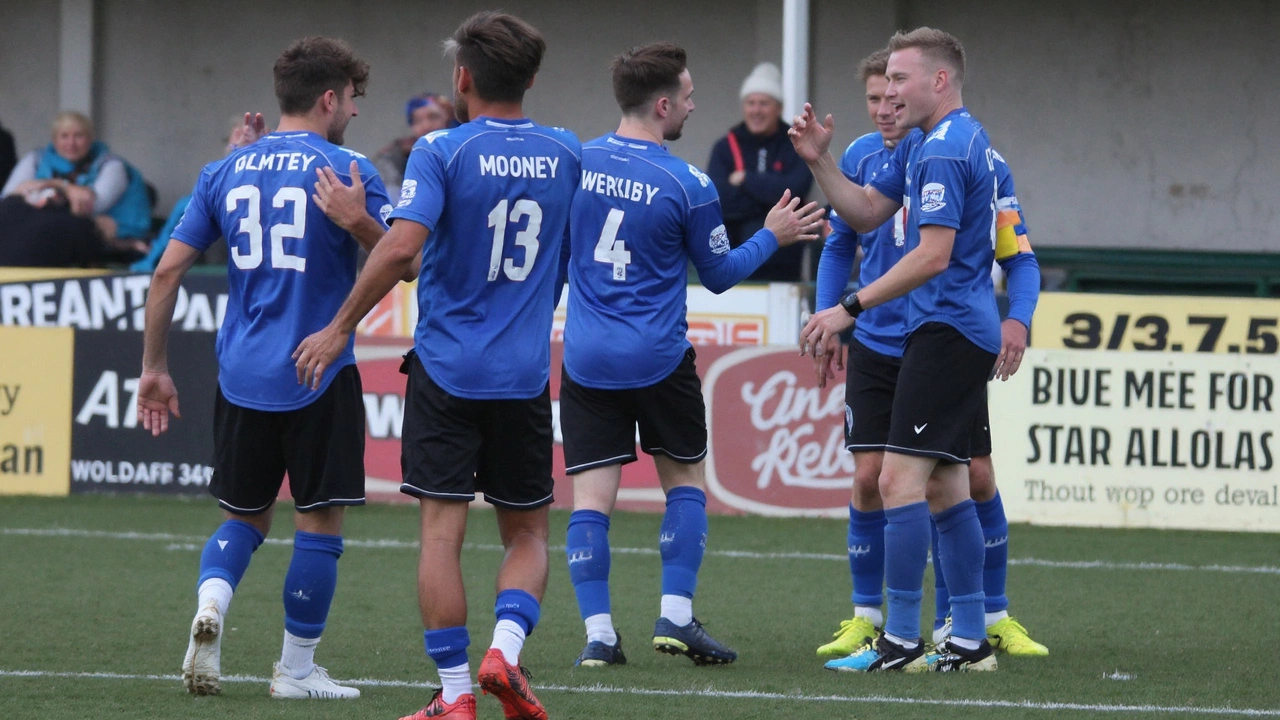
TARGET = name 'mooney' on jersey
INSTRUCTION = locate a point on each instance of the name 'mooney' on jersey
(289, 268)
(640, 214)
(947, 178)
(495, 195)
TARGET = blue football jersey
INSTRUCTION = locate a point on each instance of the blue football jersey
(948, 178)
(495, 195)
(883, 327)
(289, 268)
(640, 216)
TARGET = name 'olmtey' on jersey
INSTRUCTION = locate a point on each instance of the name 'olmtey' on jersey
(618, 187)
(517, 166)
(291, 161)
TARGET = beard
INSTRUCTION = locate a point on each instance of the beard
(337, 130)
(460, 110)
(673, 135)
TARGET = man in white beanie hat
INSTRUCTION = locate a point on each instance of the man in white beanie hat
(754, 164)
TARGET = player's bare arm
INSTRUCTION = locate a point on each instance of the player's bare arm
(926, 260)
(157, 395)
(345, 205)
(393, 256)
(863, 207)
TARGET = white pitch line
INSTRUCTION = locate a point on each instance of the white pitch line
(741, 554)
(601, 689)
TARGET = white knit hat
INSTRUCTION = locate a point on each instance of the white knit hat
(765, 78)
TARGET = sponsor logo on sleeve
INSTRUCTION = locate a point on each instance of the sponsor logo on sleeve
(407, 192)
(702, 177)
(933, 197)
(719, 240)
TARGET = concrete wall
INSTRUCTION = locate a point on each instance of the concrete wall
(1127, 123)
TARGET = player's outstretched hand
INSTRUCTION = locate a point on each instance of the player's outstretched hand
(816, 336)
(828, 360)
(157, 397)
(811, 138)
(343, 203)
(791, 223)
(1013, 343)
(316, 353)
(250, 132)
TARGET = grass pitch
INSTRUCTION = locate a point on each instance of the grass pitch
(97, 594)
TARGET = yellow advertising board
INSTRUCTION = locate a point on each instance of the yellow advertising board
(1128, 439)
(22, 274)
(35, 410)
(1154, 323)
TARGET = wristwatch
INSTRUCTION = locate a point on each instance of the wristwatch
(852, 304)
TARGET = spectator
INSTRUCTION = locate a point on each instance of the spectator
(754, 164)
(96, 183)
(425, 113)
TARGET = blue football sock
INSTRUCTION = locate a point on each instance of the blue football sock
(310, 582)
(960, 553)
(447, 647)
(587, 547)
(227, 553)
(519, 607)
(906, 552)
(683, 540)
(941, 596)
(866, 556)
(995, 535)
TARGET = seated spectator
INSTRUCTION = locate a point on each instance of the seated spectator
(425, 113)
(38, 229)
(754, 164)
(96, 184)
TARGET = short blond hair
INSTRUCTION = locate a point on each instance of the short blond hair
(68, 117)
(937, 45)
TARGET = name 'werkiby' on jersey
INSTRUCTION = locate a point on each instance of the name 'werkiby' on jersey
(639, 216)
(495, 195)
(289, 267)
(948, 178)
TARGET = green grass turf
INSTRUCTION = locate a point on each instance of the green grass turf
(72, 604)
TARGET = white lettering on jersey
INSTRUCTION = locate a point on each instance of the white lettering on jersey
(517, 166)
(625, 188)
(274, 161)
(702, 177)
(933, 197)
(719, 240)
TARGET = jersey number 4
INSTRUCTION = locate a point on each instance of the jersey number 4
(526, 238)
(610, 250)
(251, 226)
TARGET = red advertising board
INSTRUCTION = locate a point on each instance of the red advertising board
(776, 442)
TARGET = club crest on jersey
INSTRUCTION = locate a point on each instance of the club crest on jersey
(940, 132)
(385, 212)
(719, 240)
(702, 177)
(407, 191)
(933, 197)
